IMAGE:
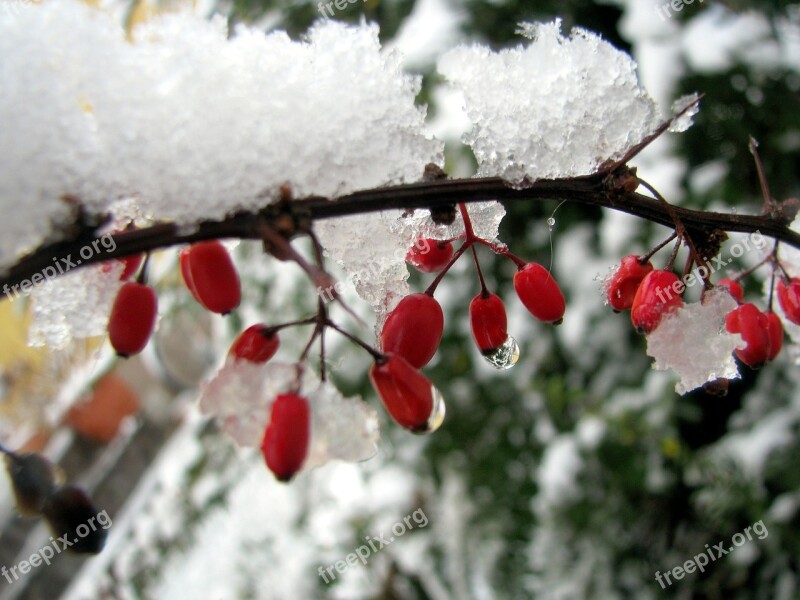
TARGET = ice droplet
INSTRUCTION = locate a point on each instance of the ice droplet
(551, 222)
(686, 120)
(504, 357)
(437, 413)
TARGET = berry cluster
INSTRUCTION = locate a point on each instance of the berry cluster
(413, 330)
(651, 294)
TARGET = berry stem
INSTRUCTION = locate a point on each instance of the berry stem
(484, 291)
(502, 250)
(671, 262)
(757, 266)
(767, 205)
(322, 316)
(771, 290)
(647, 256)
(469, 233)
(142, 278)
(378, 356)
(431, 289)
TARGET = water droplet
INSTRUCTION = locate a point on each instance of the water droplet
(506, 356)
(437, 412)
(551, 222)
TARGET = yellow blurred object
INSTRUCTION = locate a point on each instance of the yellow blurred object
(32, 377)
(143, 10)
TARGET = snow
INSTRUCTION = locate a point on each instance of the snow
(689, 103)
(693, 342)
(717, 39)
(576, 98)
(241, 393)
(192, 123)
(557, 474)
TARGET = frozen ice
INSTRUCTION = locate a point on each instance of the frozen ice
(190, 121)
(577, 98)
(685, 121)
(75, 305)
(693, 342)
(241, 393)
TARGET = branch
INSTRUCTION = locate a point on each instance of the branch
(608, 189)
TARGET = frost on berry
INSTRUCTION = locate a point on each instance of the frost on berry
(693, 342)
(241, 393)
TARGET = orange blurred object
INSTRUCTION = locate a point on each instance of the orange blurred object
(99, 415)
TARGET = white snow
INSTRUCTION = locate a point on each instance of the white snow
(693, 342)
(241, 393)
(556, 107)
(191, 123)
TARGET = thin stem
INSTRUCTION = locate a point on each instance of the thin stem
(671, 262)
(378, 356)
(469, 233)
(142, 278)
(754, 268)
(766, 207)
(484, 291)
(644, 258)
(771, 290)
(323, 317)
(431, 289)
(279, 326)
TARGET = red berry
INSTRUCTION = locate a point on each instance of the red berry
(133, 318)
(735, 288)
(539, 292)
(430, 256)
(775, 329)
(186, 273)
(257, 344)
(409, 397)
(789, 298)
(655, 297)
(130, 264)
(414, 329)
(210, 272)
(754, 327)
(287, 436)
(623, 284)
(488, 319)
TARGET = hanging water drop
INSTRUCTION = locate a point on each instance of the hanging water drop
(504, 357)
(437, 413)
(551, 222)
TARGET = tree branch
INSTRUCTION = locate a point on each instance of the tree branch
(608, 189)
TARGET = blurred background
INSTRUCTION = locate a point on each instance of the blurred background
(578, 474)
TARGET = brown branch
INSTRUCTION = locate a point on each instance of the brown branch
(604, 189)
